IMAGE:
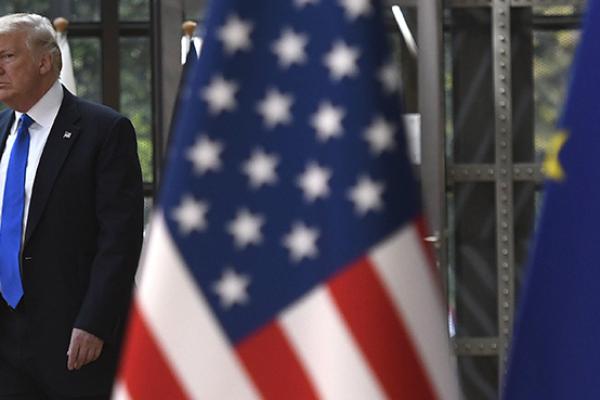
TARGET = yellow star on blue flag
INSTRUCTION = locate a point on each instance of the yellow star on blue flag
(551, 166)
(556, 348)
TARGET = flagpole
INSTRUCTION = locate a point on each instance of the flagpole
(431, 109)
(61, 24)
(67, 75)
(188, 28)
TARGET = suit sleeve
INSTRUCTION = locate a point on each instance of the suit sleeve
(119, 212)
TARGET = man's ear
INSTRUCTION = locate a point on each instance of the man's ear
(45, 63)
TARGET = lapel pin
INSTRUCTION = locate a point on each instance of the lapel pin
(67, 135)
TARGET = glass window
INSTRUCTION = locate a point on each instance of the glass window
(32, 6)
(559, 10)
(553, 54)
(134, 10)
(472, 257)
(526, 199)
(85, 53)
(472, 86)
(84, 10)
(479, 377)
(136, 98)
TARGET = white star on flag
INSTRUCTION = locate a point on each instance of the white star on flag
(205, 155)
(291, 144)
(245, 228)
(389, 77)
(327, 121)
(275, 108)
(220, 95)
(301, 242)
(232, 288)
(356, 8)
(290, 48)
(260, 168)
(304, 3)
(235, 34)
(342, 61)
(366, 195)
(190, 215)
(314, 182)
(380, 135)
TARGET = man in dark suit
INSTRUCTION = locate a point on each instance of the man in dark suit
(70, 225)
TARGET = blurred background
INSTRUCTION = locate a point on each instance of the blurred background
(484, 82)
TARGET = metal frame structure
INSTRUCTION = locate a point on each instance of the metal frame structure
(438, 175)
(508, 3)
(504, 181)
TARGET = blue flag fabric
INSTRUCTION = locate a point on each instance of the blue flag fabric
(284, 259)
(556, 347)
(300, 119)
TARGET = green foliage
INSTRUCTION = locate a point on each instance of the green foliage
(81, 10)
(85, 53)
(32, 6)
(85, 10)
(136, 95)
(134, 10)
(553, 55)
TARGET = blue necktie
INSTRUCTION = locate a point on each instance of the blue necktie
(13, 206)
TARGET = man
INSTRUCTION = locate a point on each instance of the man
(70, 225)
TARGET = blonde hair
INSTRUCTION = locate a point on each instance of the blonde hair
(41, 36)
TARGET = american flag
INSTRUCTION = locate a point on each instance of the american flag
(284, 258)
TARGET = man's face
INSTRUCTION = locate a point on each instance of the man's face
(19, 72)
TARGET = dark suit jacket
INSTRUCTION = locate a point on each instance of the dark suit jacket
(82, 243)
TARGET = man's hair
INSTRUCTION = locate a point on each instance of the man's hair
(41, 36)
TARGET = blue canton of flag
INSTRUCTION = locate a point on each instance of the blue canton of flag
(293, 163)
(556, 351)
(289, 213)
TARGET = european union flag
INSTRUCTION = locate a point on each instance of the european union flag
(556, 349)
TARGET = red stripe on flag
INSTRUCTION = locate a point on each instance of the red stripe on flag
(380, 333)
(144, 370)
(273, 365)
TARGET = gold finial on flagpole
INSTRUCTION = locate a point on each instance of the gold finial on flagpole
(189, 27)
(61, 24)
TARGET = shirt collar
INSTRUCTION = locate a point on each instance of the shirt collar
(44, 112)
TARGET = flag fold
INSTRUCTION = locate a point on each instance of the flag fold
(283, 259)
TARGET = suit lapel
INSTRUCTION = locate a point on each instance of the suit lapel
(62, 136)
(6, 120)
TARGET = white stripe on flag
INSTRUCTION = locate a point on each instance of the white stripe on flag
(120, 392)
(331, 357)
(406, 275)
(186, 330)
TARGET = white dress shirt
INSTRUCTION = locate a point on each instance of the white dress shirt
(43, 113)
